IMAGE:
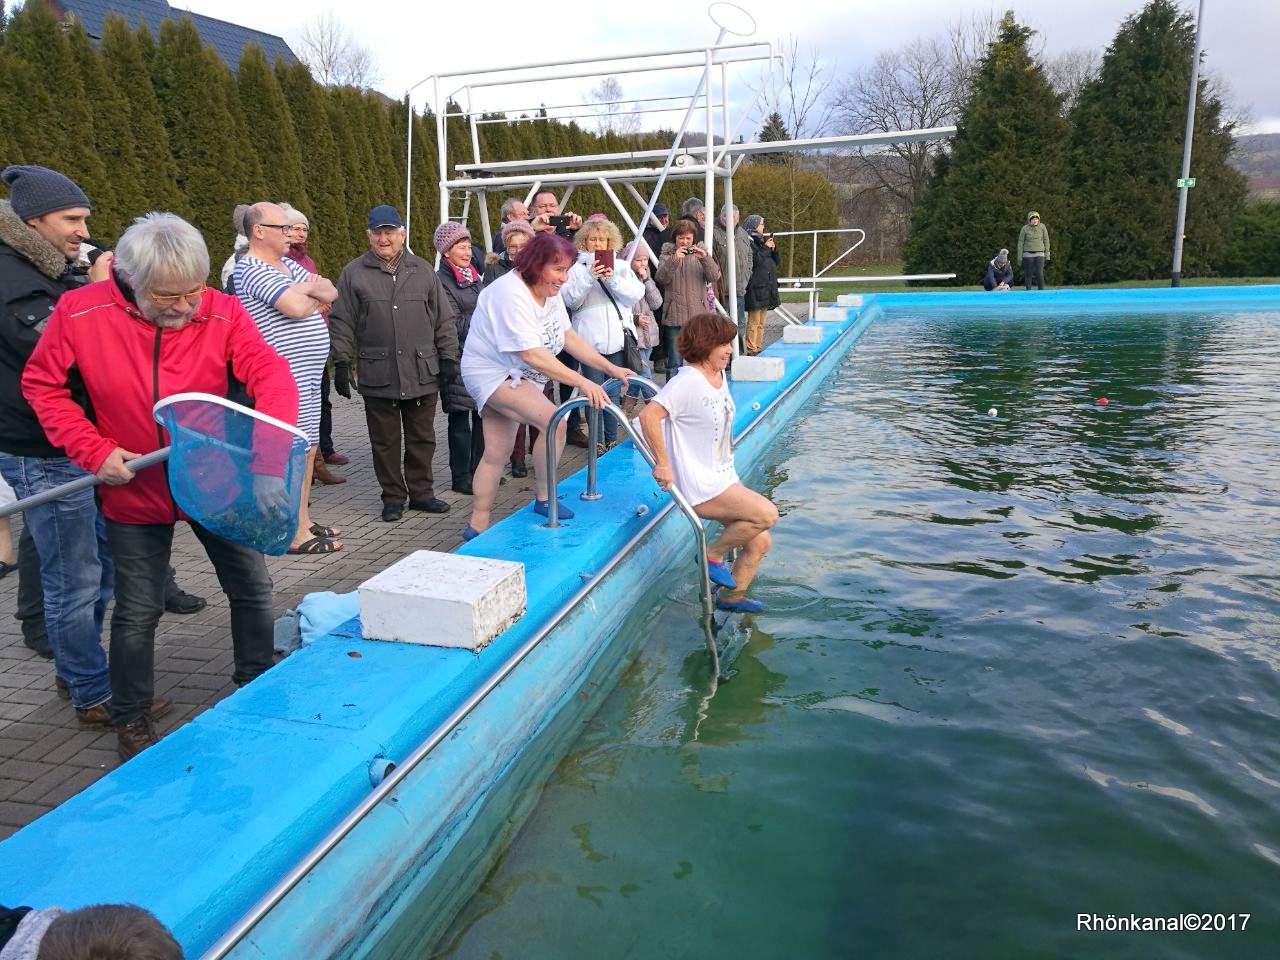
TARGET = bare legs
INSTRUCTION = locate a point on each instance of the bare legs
(504, 412)
(747, 517)
(303, 533)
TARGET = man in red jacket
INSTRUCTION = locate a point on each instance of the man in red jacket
(150, 331)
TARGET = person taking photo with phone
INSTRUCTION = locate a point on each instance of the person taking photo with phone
(684, 274)
(599, 294)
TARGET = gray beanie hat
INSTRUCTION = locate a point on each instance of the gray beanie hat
(35, 191)
(752, 222)
(1002, 256)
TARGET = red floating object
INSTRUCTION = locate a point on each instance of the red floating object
(1102, 401)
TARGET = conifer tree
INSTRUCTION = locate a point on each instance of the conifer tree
(62, 134)
(321, 167)
(1008, 157)
(241, 137)
(341, 105)
(128, 71)
(774, 129)
(1126, 155)
(114, 138)
(275, 142)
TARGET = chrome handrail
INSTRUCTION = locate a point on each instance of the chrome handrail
(593, 432)
(708, 603)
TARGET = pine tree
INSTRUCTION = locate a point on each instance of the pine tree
(341, 103)
(62, 135)
(262, 103)
(1008, 156)
(114, 137)
(1126, 155)
(128, 71)
(321, 167)
(774, 129)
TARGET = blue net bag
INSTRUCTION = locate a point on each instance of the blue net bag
(235, 471)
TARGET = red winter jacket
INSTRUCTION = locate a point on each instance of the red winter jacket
(127, 364)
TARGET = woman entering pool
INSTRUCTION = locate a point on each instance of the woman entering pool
(689, 428)
(519, 325)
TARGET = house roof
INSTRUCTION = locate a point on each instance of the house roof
(227, 39)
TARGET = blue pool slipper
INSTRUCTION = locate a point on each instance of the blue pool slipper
(562, 512)
(721, 575)
(741, 605)
(468, 533)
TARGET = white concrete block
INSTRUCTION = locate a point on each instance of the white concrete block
(442, 600)
(828, 314)
(793, 334)
(758, 368)
(849, 300)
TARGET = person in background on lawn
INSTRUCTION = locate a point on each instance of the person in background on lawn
(689, 428)
(1033, 250)
(999, 272)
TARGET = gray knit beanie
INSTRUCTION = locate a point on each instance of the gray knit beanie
(35, 191)
(1002, 256)
(752, 222)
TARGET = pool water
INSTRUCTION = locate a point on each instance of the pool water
(1019, 667)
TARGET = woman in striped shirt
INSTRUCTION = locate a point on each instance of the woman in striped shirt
(284, 300)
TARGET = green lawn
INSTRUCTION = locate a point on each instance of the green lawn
(830, 290)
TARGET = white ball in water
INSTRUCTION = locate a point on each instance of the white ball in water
(993, 412)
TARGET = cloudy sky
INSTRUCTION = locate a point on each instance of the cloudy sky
(410, 40)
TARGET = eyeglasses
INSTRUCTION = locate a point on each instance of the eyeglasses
(275, 226)
(169, 300)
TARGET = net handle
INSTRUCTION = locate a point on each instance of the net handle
(84, 483)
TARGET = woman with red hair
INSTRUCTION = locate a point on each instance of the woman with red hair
(689, 428)
(519, 325)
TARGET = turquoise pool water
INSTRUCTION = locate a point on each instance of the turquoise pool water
(1020, 667)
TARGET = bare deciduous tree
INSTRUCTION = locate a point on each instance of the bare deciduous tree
(610, 116)
(1069, 71)
(333, 55)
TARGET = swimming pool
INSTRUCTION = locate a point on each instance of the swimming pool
(1020, 667)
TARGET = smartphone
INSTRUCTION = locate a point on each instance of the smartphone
(558, 221)
(605, 257)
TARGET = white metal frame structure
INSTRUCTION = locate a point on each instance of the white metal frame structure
(719, 61)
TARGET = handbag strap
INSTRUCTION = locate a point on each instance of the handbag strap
(616, 309)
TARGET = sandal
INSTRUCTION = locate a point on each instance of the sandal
(6, 569)
(314, 546)
(317, 530)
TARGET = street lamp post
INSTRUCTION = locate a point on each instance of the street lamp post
(1184, 183)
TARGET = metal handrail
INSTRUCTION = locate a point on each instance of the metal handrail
(593, 432)
(708, 603)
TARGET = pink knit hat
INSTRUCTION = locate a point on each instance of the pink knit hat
(449, 233)
(516, 226)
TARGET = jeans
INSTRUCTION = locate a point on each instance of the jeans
(646, 371)
(466, 444)
(30, 612)
(142, 554)
(75, 572)
(1033, 272)
(669, 336)
(615, 393)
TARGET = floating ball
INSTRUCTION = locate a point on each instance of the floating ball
(1102, 401)
(993, 412)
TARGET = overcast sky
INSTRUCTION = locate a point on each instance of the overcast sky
(410, 40)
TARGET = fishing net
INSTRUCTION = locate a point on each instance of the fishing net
(235, 471)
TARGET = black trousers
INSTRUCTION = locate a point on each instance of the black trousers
(403, 436)
(326, 415)
(466, 444)
(141, 553)
(1033, 272)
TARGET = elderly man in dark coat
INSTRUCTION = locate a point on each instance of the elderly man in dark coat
(392, 317)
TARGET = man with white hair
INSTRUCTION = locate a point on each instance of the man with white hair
(513, 208)
(151, 330)
(744, 260)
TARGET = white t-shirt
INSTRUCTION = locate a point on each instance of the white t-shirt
(699, 434)
(508, 320)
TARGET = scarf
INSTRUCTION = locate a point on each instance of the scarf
(464, 275)
(298, 254)
(392, 265)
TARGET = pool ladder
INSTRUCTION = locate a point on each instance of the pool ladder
(594, 422)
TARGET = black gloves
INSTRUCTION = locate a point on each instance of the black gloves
(449, 369)
(342, 379)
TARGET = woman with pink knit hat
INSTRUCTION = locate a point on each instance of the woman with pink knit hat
(462, 283)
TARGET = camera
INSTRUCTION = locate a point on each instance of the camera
(559, 222)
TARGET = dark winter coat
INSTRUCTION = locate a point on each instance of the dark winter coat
(495, 266)
(762, 288)
(462, 297)
(398, 327)
(684, 285)
(997, 275)
(34, 274)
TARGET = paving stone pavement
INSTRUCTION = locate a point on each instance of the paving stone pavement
(45, 756)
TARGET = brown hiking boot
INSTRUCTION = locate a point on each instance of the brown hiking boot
(100, 716)
(96, 716)
(324, 475)
(134, 737)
